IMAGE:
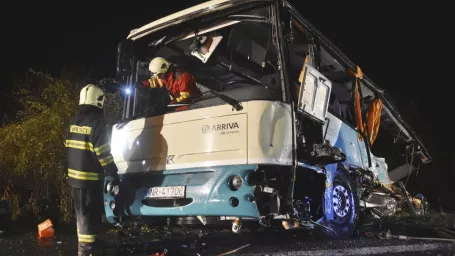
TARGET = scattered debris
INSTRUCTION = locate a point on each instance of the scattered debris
(235, 250)
(160, 254)
(447, 233)
(236, 225)
(203, 219)
(45, 229)
(290, 224)
(326, 227)
(388, 235)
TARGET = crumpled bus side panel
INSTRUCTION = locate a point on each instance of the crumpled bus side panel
(343, 136)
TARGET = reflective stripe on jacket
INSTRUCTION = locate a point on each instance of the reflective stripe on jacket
(180, 84)
(88, 148)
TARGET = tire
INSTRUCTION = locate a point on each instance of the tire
(341, 207)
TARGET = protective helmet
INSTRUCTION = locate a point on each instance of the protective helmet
(92, 95)
(159, 65)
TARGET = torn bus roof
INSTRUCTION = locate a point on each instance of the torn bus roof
(390, 110)
(390, 113)
(179, 17)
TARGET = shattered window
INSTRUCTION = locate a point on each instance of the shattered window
(236, 58)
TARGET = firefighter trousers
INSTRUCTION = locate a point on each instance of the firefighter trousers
(88, 203)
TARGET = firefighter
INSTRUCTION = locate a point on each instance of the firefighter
(89, 160)
(180, 84)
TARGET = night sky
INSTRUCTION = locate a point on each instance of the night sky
(403, 47)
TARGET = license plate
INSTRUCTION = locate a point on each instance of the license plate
(166, 192)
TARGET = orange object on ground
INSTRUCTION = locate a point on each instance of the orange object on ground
(45, 229)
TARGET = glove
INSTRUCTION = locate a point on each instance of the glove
(144, 83)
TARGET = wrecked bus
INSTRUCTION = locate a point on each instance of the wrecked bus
(283, 129)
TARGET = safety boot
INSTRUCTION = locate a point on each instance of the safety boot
(92, 249)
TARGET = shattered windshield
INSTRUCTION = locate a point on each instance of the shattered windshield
(233, 56)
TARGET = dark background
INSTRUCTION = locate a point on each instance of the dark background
(404, 46)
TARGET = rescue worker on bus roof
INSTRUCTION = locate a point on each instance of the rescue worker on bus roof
(89, 160)
(180, 83)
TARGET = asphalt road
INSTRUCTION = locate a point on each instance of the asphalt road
(197, 241)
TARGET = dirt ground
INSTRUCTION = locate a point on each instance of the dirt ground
(253, 240)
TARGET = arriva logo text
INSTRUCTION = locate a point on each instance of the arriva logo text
(220, 127)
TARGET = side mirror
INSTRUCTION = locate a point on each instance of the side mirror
(124, 60)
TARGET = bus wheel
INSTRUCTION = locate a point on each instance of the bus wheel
(341, 211)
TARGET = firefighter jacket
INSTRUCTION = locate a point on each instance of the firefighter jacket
(88, 149)
(180, 84)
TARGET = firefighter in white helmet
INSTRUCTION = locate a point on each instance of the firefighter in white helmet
(89, 160)
(180, 83)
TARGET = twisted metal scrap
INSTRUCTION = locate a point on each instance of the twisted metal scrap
(388, 235)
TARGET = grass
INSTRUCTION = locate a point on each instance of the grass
(406, 224)
(32, 153)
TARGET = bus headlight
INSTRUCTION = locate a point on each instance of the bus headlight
(113, 190)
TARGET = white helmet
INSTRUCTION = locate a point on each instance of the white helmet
(92, 95)
(159, 65)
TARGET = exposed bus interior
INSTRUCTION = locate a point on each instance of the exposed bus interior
(234, 53)
(241, 62)
(342, 99)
